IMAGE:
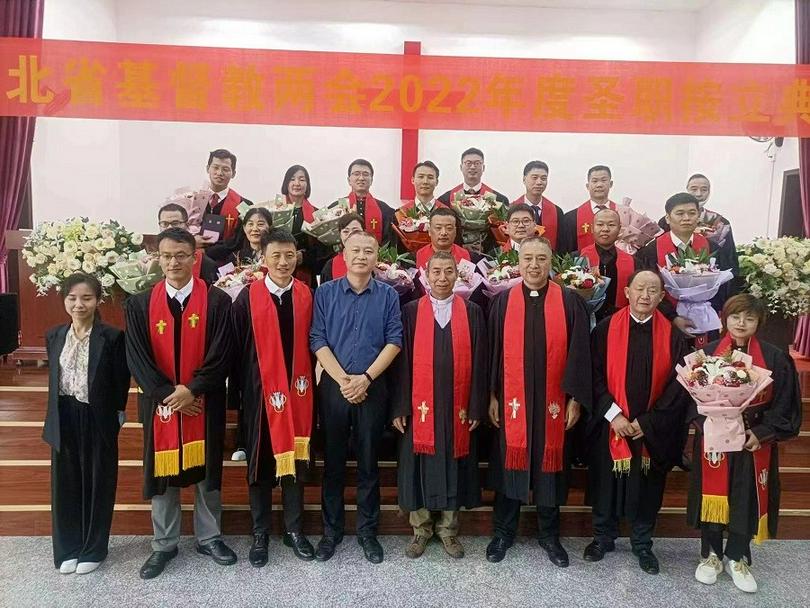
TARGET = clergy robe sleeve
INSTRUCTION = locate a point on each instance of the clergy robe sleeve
(647, 257)
(208, 271)
(154, 384)
(602, 399)
(567, 237)
(783, 418)
(497, 312)
(479, 389)
(121, 371)
(241, 325)
(577, 378)
(401, 404)
(216, 364)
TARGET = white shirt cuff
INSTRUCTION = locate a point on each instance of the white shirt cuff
(614, 411)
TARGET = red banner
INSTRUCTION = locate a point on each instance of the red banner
(153, 82)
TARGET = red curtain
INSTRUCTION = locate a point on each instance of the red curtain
(802, 340)
(19, 19)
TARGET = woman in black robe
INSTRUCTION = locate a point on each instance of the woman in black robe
(777, 418)
(245, 247)
(87, 394)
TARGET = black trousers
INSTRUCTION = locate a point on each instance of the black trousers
(363, 424)
(606, 528)
(711, 539)
(84, 477)
(292, 499)
(507, 514)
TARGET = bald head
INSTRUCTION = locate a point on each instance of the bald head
(606, 228)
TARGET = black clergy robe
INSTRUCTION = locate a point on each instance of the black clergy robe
(550, 489)
(777, 420)
(607, 268)
(313, 249)
(440, 482)
(209, 380)
(386, 212)
(635, 494)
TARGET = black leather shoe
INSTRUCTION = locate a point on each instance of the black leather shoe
(556, 553)
(258, 551)
(300, 545)
(496, 549)
(595, 551)
(647, 561)
(371, 548)
(154, 566)
(326, 548)
(219, 552)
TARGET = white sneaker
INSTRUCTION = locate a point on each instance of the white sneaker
(239, 455)
(741, 575)
(708, 569)
(68, 566)
(87, 567)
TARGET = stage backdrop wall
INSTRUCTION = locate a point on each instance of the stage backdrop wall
(125, 169)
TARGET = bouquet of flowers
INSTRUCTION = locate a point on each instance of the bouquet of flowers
(281, 210)
(412, 228)
(324, 225)
(466, 283)
(390, 269)
(237, 278)
(778, 272)
(139, 272)
(55, 250)
(575, 272)
(497, 224)
(693, 279)
(474, 211)
(501, 274)
(713, 226)
(723, 386)
(194, 202)
(636, 230)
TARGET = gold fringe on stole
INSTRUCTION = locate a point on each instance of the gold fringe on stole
(621, 466)
(762, 530)
(285, 464)
(193, 454)
(714, 509)
(645, 464)
(167, 463)
(302, 448)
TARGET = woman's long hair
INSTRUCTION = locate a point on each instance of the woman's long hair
(239, 244)
(285, 185)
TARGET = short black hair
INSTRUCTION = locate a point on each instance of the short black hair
(285, 185)
(77, 278)
(426, 163)
(174, 207)
(277, 235)
(222, 154)
(596, 168)
(697, 176)
(632, 277)
(362, 162)
(440, 211)
(516, 208)
(345, 220)
(681, 198)
(471, 151)
(178, 235)
(534, 164)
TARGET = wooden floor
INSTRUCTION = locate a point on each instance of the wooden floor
(25, 478)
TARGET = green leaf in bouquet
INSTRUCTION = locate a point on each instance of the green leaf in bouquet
(499, 213)
(561, 263)
(507, 258)
(242, 209)
(680, 258)
(388, 255)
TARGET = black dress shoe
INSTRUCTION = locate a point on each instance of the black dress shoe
(300, 545)
(258, 551)
(326, 548)
(647, 561)
(371, 548)
(595, 551)
(156, 563)
(219, 552)
(496, 549)
(556, 553)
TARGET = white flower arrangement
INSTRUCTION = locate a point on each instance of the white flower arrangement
(778, 272)
(55, 250)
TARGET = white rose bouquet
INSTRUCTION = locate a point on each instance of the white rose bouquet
(778, 272)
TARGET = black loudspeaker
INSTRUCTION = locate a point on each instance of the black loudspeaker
(9, 323)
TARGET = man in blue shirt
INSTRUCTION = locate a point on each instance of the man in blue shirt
(356, 334)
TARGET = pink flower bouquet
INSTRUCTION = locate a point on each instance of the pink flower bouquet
(234, 281)
(194, 202)
(637, 229)
(501, 274)
(467, 282)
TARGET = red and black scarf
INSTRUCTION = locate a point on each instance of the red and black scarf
(170, 430)
(585, 223)
(514, 380)
(372, 215)
(229, 211)
(617, 344)
(548, 215)
(422, 398)
(287, 403)
(625, 267)
(424, 254)
(714, 470)
(307, 209)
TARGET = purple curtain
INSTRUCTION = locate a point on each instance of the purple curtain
(19, 19)
(802, 340)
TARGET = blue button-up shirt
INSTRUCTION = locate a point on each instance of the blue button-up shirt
(355, 326)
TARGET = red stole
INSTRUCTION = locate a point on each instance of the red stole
(514, 380)
(617, 344)
(307, 208)
(625, 267)
(229, 212)
(714, 467)
(548, 215)
(372, 216)
(289, 412)
(585, 223)
(423, 401)
(339, 269)
(198, 259)
(425, 253)
(170, 430)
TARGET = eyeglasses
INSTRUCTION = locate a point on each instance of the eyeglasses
(524, 222)
(365, 174)
(181, 258)
(174, 224)
(473, 163)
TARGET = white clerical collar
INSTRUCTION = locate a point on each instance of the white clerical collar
(425, 206)
(442, 309)
(223, 194)
(515, 245)
(275, 289)
(639, 321)
(476, 188)
(678, 242)
(180, 294)
(594, 206)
